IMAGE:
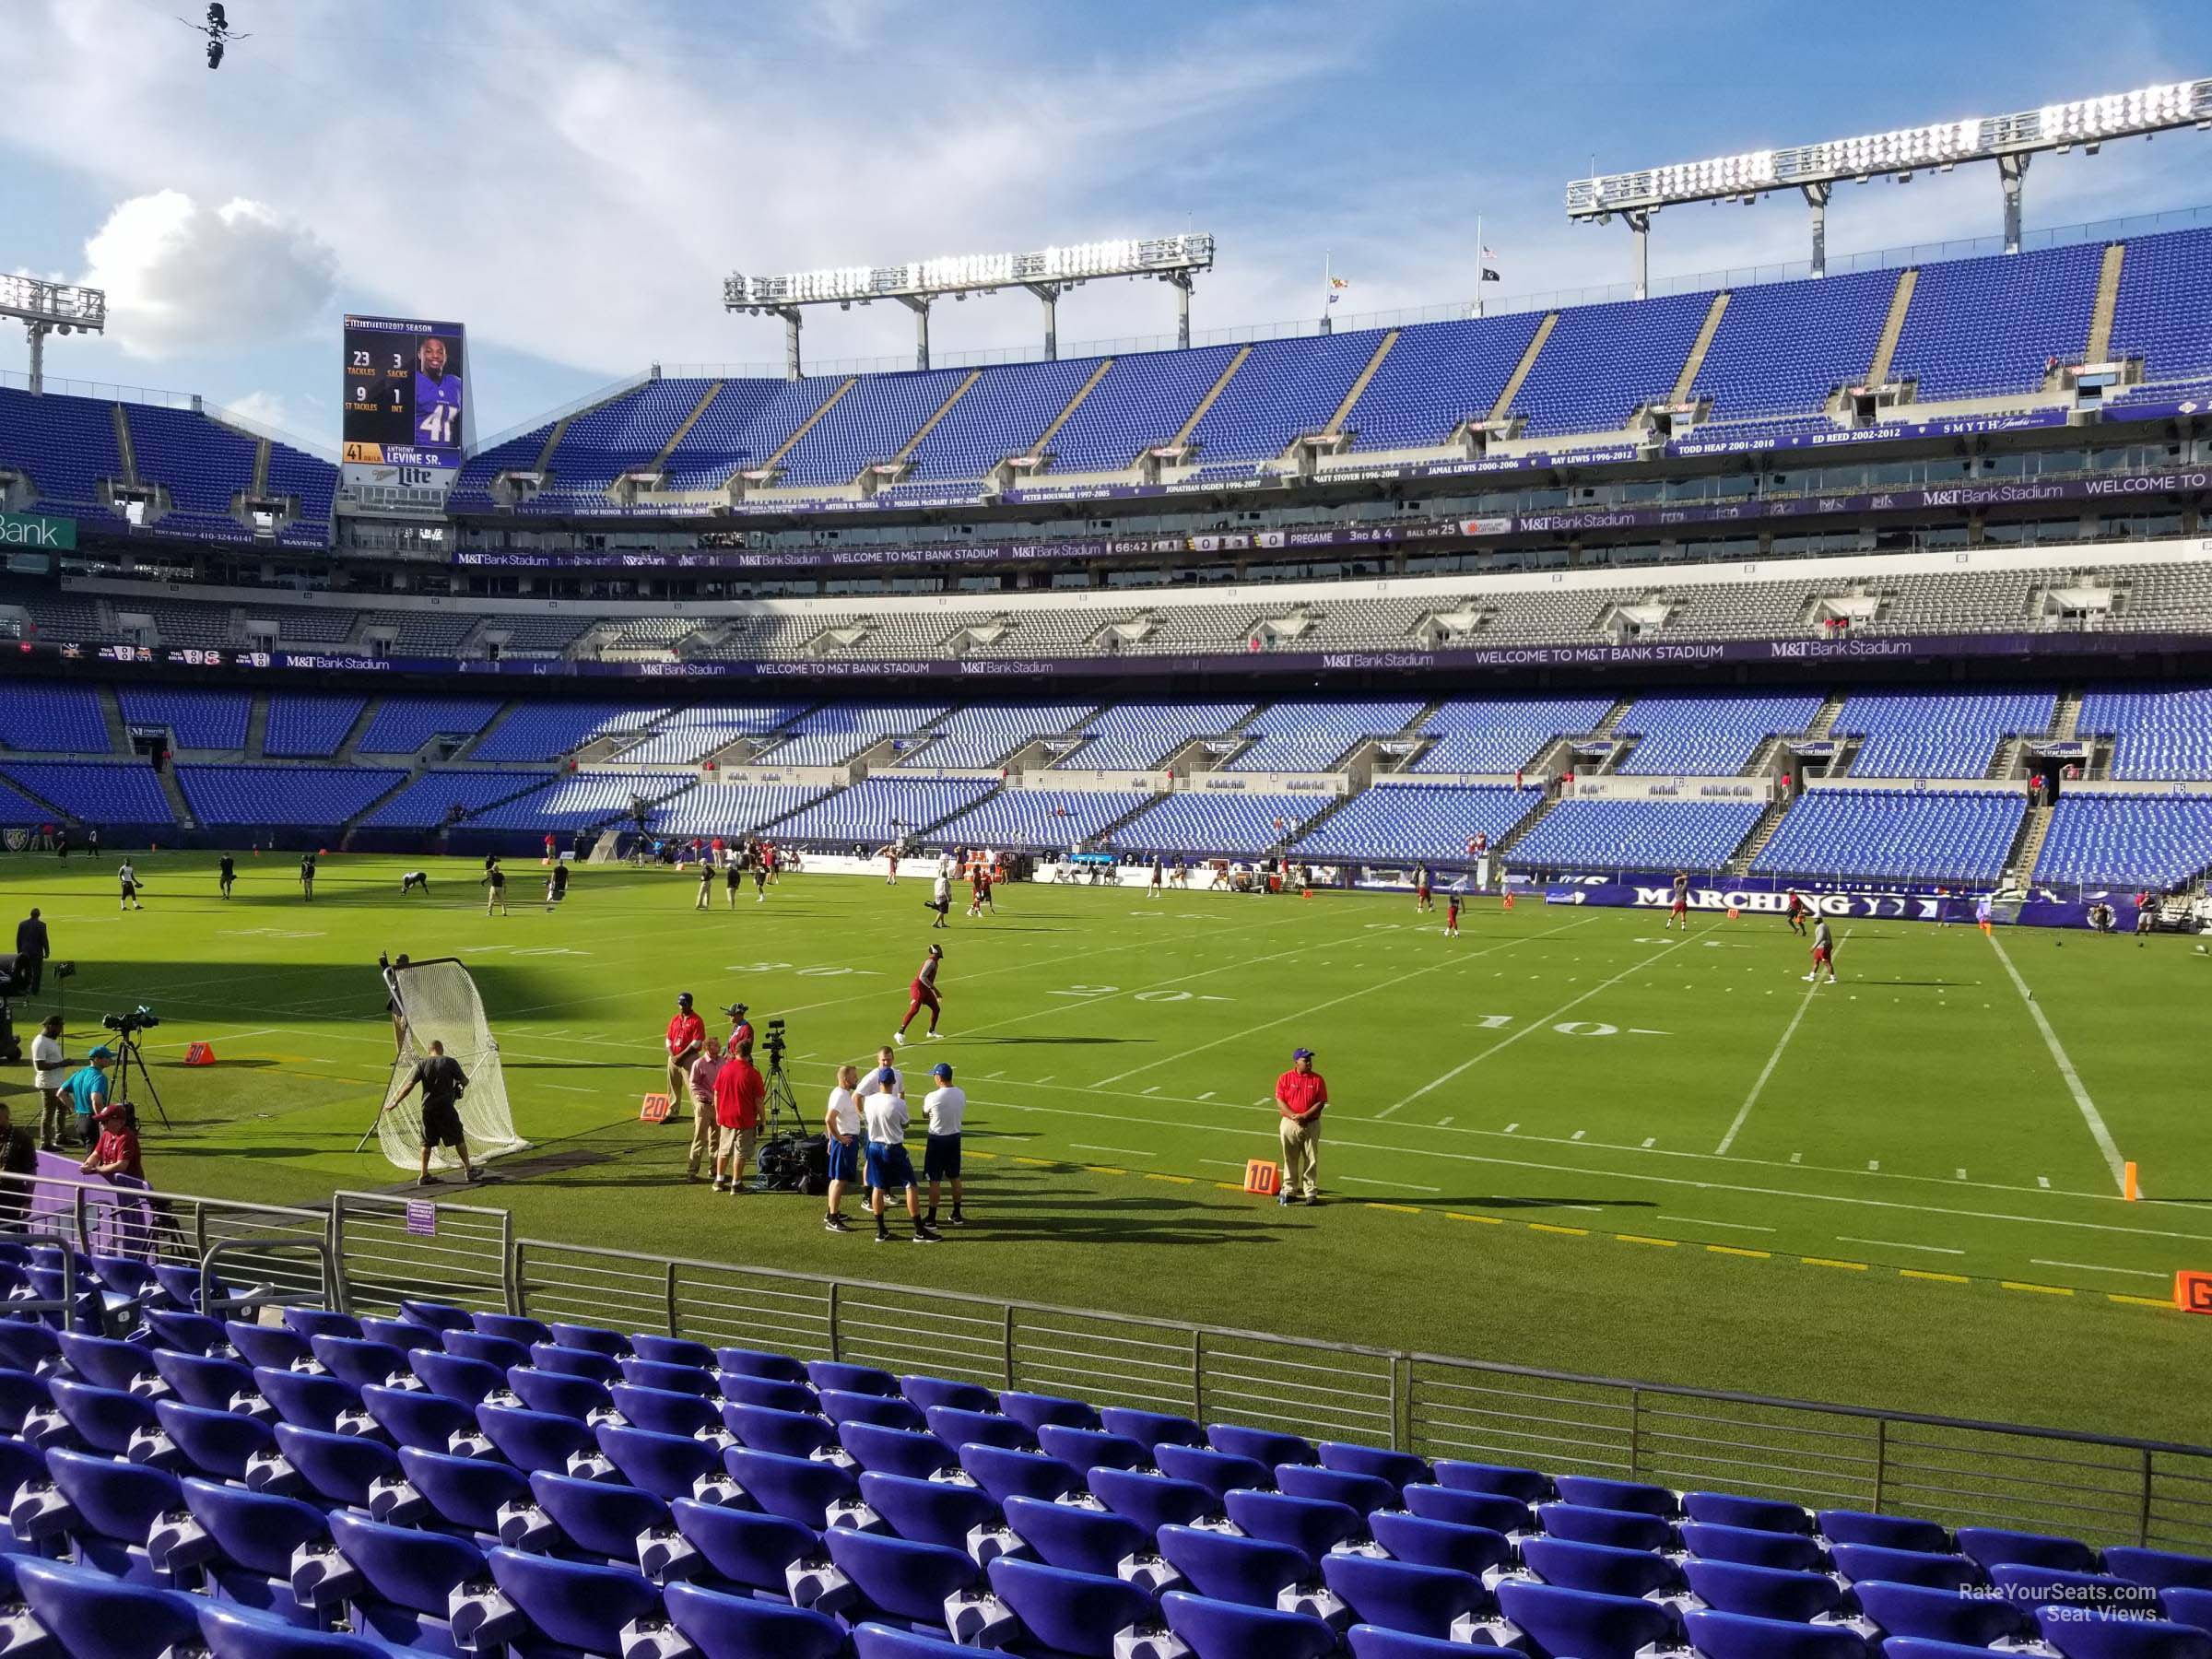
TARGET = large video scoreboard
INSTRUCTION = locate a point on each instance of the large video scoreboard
(404, 404)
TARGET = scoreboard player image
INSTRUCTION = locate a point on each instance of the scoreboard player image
(404, 403)
(437, 397)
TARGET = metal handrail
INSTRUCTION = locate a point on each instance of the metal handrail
(334, 1283)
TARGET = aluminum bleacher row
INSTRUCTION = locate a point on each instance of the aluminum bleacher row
(441, 1481)
(1973, 328)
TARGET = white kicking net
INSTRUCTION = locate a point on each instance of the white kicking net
(440, 1005)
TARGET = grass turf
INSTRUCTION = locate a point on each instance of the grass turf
(1568, 1138)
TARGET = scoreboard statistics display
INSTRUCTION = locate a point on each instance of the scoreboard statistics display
(404, 403)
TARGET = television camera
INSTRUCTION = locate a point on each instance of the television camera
(129, 1052)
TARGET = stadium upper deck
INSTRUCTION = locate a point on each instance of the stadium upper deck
(2031, 338)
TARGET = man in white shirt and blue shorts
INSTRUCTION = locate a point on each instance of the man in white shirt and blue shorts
(944, 1108)
(884, 1119)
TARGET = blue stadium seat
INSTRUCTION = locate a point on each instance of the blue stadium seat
(358, 1362)
(722, 1626)
(1066, 1612)
(1751, 1547)
(646, 1373)
(1218, 1472)
(105, 1509)
(663, 1410)
(1221, 1630)
(1411, 1538)
(1229, 1567)
(557, 1393)
(596, 1519)
(1403, 1595)
(957, 1428)
(1599, 1568)
(216, 1443)
(22, 1394)
(1312, 1526)
(786, 1433)
(1885, 1532)
(1087, 1449)
(897, 1451)
(1152, 1501)
(1593, 1493)
(1461, 1508)
(306, 1399)
(515, 1328)
(105, 1419)
(1082, 1540)
(662, 1350)
(533, 1439)
(600, 1340)
(1734, 1636)
(277, 1347)
(1505, 1480)
(797, 1489)
(202, 1379)
(1363, 1492)
(105, 1362)
(1148, 1429)
(755, 1362)
(1622, 1529)
(746, 1547)
(415, 1417)
(900, 1581)
(667, 1466)
(90, 1612)
(498, 1351)
(1990, 1545)
(740, 1389)
(405, 1335)
(466, 1492)
(882, 1641)
(1400, 1469)
(1763, 1592)
(1004, 1474)
(1941, 1614)
(187, 1333)
(885, 1411)
(1032, 1411)
(2163, 1568)
(455, 1377)
(827, 1374)
(928, 1511)
(2185, 1604)
(247, 1553)
(1372, 1641)
(1760, 1514)
(339, 1467)
(439, 1316)
(929, 1393)
(1857, 1562)
(2079, 1635)
(1573, 1623)
(242, 1632)
(2027, 1585)
(570, 1603)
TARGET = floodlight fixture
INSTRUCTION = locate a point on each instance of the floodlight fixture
(45, 308)
(1047, 274)
(2008, 140)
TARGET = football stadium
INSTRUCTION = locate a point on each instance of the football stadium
(1524, 978)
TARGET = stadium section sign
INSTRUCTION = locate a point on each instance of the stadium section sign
(406, 419)
(36, 530)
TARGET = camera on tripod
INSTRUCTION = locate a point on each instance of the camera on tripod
(140, 1018)
(774, 1042)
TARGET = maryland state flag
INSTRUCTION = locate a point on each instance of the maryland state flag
(1337, 287)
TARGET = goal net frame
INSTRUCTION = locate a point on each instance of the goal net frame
(438, 1001)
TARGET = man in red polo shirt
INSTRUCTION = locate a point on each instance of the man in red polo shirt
(686, 1037)
(739, 1088)
(1301, 1094)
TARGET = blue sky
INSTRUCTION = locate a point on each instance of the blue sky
(572, 178)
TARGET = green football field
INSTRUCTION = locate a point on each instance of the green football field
(1567, 1138)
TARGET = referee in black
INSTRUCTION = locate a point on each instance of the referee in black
(441, 1080)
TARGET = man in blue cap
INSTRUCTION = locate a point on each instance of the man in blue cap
(1301, 1094)
(944, 1107)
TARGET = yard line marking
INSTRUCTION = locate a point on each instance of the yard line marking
(1307, 1013)
(2040, 1289)
(1043, 1080)
(1767, 1071)
(1701, 1222)
(1941, 1278)
(1874, 1164)
(1542, 1024)
(1595, 1209)
(1962, 1174)
(1207, 1094)
(2098, 1132)
(1894, 1244)
(1796, 1158)
(1648, 1139)
(1510, 1127)
(1443, 1123)
(1154, 1089)
(2042, 1181)
(1403, 1186)
(1577, 1135)
(219, 1037)
(1125, 1151)
(1831, 1262)
(2093, 1268)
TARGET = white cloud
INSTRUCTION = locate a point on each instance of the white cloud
(183, 278)
(263, 408)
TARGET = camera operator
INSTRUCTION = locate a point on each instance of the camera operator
(50, 1071)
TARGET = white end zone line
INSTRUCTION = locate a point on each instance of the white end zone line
(1767, 1071)
(2089, 1114)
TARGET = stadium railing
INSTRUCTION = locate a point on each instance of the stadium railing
(368, 1251)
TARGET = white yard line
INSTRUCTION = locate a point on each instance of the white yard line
(1331, 1003)
(1701, 1222)
(1767, 1071)
(2089, 1114)
(1894, 1244)
(2093, 1268)
(1541, 1024)
(1396, 1186)
(1123, 1151)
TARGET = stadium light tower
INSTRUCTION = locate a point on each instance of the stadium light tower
(1815, 170)
(45, 308)
(1048, 273)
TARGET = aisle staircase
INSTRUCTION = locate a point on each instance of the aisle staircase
(2019, 868)
(258, 727)
(1755, 843)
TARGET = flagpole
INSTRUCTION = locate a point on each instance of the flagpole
(1479, 265)
(1328, 272)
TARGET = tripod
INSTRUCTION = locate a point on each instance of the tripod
(128, 1052)
(781, 1115)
